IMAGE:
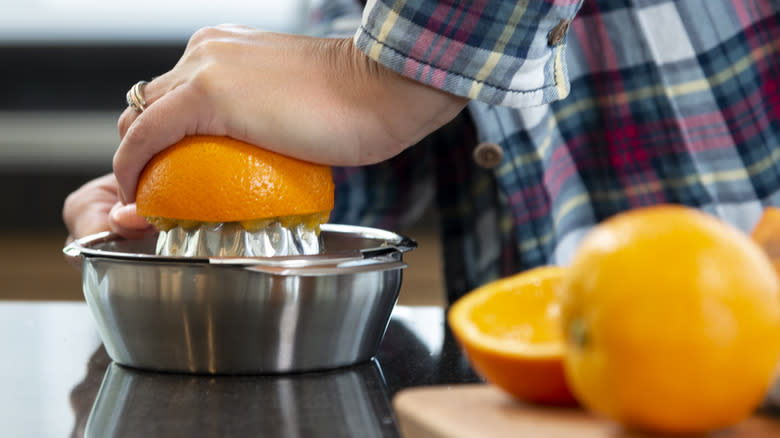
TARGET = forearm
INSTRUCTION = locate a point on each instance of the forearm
(408, 110)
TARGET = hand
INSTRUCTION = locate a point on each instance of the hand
(95, 207)
(320, 100)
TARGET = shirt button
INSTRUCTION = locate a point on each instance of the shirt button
(558, 32)
(488, 155)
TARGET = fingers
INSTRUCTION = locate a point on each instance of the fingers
(86, 210)
(126, 119)
(178, 113)
(151, 92)
(185, 69)
(95, 207)
(124, 221)
(176, 105)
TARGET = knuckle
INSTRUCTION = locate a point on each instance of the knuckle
(211, 40)
(204, 34)
(74, 203)
(207, 73)
(205, 51)
(123, 124)
(230, 27)
(204, 80)
(67, 207)
(214, 47)
(116, 164)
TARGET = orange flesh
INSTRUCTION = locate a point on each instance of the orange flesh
(498, 316)
(510, 331)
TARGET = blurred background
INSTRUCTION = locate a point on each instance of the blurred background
(65, 68)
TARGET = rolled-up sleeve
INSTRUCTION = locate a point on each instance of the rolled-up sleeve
(509, 53)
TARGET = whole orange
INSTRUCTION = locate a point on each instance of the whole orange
(510, 331)
(220, 179)
(672, 321)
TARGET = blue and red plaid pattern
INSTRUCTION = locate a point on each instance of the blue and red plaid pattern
(669, 102)
(492, 50)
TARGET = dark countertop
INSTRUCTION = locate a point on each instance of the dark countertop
(56, 380)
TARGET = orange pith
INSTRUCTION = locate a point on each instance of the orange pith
(209, 179)
(672, 321)
(510, 331)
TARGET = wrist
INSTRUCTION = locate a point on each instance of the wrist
(407, 109)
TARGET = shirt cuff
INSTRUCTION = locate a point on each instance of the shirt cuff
(502, 53)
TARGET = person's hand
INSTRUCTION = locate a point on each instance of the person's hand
(320, 100)
(95, 207)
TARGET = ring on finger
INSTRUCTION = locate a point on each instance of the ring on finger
(135, 97)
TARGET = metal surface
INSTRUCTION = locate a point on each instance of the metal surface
(243, 315)
(232, 240)
(348, 248)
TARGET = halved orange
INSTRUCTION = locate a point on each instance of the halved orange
(510, 331)
(216, 179)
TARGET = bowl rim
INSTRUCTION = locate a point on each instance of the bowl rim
(386, 255)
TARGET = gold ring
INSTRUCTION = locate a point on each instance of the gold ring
(135, 97)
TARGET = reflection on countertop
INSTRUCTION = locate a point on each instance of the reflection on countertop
(57, 380)
(350, 401)
(112, 400)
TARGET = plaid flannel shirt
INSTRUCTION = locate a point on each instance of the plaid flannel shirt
(665, 102)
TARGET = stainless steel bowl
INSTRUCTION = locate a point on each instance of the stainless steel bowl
(243, 315)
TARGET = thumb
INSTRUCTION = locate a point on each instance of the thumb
(125, 221)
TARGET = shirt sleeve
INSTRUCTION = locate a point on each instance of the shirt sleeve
(509, 53)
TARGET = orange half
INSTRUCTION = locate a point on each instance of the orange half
(510, 330)
(215, 179)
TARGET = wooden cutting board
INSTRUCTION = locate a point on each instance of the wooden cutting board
(482, 410)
